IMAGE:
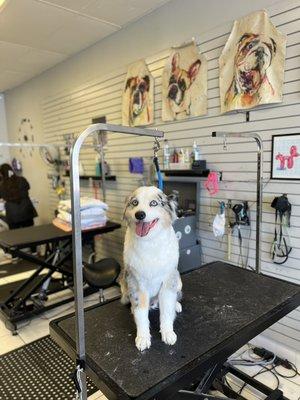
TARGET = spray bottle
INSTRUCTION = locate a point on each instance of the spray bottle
(196, 151)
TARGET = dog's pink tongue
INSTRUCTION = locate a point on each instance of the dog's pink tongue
(142, 228)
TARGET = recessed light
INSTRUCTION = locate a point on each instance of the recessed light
(3, 3)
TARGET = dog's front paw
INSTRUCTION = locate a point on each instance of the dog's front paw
(143, 342)
(169, 337)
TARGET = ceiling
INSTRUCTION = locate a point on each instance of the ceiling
(37, 34)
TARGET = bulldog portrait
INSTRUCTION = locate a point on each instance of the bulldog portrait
(138, 88)
(180, 83)
(184, 84)
(137, 107)
(254, 56)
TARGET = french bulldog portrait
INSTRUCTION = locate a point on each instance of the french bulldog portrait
(179, 87)
(139, 108)
(254, 56)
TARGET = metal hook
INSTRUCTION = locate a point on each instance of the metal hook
(225, 143)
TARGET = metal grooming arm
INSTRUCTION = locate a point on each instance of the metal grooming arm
(259, 189)
(80, 378)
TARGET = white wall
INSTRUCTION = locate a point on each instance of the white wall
(171, 24)
(55, 107)
(4, 151)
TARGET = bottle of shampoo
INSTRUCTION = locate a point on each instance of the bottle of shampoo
(196, 151)
(167, 154)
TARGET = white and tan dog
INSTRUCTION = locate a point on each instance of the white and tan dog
(150, 277)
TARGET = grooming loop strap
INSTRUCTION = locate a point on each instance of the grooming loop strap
(156, 148)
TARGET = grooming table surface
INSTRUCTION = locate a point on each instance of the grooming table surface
(48, 233)
(223, 307)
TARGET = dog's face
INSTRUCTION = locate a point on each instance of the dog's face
(148, 211)
(253, 58)
(138, 93)
(181, 80)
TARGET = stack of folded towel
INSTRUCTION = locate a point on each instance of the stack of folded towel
(92, 211)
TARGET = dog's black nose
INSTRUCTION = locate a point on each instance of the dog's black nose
(140, 215)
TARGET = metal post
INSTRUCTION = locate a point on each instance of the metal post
(77, 237)
(259, 189)
(259, 192)
(102, 166)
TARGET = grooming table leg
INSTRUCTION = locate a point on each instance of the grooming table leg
(208, 378)
(42, 294)
(203, 387)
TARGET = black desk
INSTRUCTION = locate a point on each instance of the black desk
(29, 297)
(223, 308)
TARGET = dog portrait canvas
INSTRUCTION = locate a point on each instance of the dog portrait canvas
(137, 104)
(252, 64)
(184, 84)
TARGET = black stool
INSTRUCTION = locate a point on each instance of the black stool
(102, 274)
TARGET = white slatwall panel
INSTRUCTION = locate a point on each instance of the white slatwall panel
(73, 111)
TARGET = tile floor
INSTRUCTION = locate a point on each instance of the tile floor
(39, 327)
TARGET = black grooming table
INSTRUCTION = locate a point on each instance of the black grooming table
(223, 308)
(30, 297)
(43, 234)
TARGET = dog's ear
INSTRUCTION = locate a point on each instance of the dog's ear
(146, 78)
(128, 83)
(194, 69)
(175, 62)
(274, 45)
(172, 206)
(127, 202)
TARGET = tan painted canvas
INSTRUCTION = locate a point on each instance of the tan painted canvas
(184, 84)
(138, 94)
(252, 64)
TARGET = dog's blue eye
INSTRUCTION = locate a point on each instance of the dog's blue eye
(134, 202)
(153, 203)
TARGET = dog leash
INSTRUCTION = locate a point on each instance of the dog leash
(281, 248)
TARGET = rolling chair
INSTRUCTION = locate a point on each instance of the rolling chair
(102, 274)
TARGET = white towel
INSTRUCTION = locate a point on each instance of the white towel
(85, 203)
(94, 214)
(65, 216)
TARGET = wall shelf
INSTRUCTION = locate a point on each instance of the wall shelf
(96, 178)
(183, 176)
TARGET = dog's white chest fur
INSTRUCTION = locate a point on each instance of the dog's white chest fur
(151, 261)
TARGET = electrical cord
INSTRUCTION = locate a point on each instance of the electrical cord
(265, 359)
(260, 372)
(290, 366)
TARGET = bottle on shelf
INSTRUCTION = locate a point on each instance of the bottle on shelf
(196, 152)
(181, 157)
(175, 156)
(167, 154)
(187, 158)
